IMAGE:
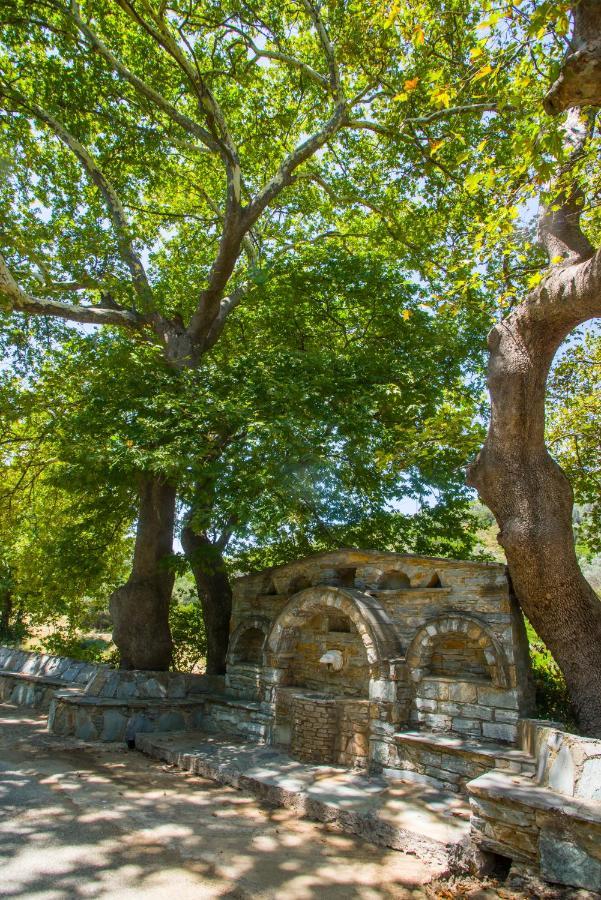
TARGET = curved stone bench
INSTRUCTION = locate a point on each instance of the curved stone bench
(92, 718)
(31, 679)
(551, 822)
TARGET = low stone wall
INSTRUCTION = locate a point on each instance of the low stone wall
(474, 708)
(551, 822)
(314, 726)
(31, 679)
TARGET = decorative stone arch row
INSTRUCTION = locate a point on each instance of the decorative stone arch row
(373, 624)
(369, 577)
(420, 650)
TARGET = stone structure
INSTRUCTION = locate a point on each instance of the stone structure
(419, 643)
(406, 668)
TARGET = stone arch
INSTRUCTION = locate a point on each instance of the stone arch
(245, 639)
(374, 626)
(421, 647)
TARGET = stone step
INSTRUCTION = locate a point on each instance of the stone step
(415, 818)
(449, 761)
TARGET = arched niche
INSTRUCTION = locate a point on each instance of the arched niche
(248, 642)
(453, 630)
(393, 580)
(367, 615)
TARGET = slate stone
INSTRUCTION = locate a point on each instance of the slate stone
(565, 862)
(589, 786)
(84, 727)
(113, 726)
(561, 773)
(171, 721)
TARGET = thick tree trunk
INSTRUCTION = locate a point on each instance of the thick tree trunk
(140, 608)
(214, 592)
(532, 502)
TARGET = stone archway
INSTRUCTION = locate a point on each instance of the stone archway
(372, 622)
(472, 629)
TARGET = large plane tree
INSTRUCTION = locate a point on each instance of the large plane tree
(148, 151)
(160, 157)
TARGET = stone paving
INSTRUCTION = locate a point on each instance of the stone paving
(82, 820)
(417, 818)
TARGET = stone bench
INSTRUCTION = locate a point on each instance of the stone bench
(551, 822)
(116, 704)
(31, 679)
(449, 761)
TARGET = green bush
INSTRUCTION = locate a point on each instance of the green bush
(552, 698)
(189, 635)
(76, 646)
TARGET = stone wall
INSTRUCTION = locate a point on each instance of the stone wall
(437, 644)
(551, 822)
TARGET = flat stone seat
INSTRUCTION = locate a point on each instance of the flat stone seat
(35, 679)
(76, 697)
(524, 792)
(493, 754)
(386, 811)
(449, 761)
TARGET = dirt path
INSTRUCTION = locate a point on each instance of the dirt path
(82, 820)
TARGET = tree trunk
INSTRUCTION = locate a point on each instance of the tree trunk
(6, 612)
(214, 592)
(532, 502)
(140, 608)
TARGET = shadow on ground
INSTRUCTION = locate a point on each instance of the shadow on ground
(81, 820)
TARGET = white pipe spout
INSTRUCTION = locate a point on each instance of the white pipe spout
(333, 659)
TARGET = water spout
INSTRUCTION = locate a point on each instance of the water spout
(333, 659)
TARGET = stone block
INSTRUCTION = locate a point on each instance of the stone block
(113, 726)
(467, 726)
(561, 773)
(507, 715)
(434, 690)
(565, 862)
(171, 721)
(501, 813)
(499, 732)
(474, 711)
(426, 705)
(436, 722)
(589, 784)
(84, 727)
(463, 692)
(490, 696)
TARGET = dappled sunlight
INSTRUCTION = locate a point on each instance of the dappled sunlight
(97, 823)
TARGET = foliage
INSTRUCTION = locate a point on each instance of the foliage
(189, 636)
(552, 697)
(70, 642)
(574, 412)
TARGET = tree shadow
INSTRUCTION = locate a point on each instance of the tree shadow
(92, 821)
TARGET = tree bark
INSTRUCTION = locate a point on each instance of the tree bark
(532, 502)
(514, 474)
(6, 612)
(140, 608)
(214, 592)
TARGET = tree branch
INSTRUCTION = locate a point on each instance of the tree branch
(328, 48)
(20, 301)
(278, 55)
(139, 85)
(113, 203)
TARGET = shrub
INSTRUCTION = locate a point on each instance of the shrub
(76, 646)
(552, 697)
(189, 636)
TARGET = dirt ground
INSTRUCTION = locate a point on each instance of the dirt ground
(88, 820)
